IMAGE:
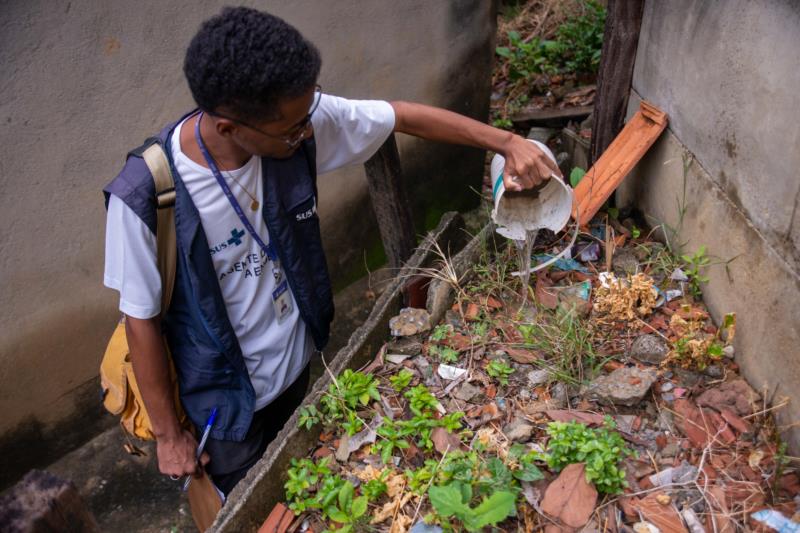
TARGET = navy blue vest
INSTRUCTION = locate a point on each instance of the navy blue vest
(208, 358)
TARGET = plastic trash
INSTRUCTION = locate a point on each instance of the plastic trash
(588, 251)
(562, 263)
(776, 521)
(450, 372)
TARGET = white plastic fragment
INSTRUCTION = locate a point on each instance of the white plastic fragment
(678, 275)
(672, 294)
(396, 358)
(645, 527)
(690, 517)
(776, 521)
(606, 278)
(450, 372)
(676, 474)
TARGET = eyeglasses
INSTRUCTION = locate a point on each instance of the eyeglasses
(299, 131)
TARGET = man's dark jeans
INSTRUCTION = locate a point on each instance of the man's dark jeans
(231, 460)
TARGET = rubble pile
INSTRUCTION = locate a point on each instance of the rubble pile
(609, 401)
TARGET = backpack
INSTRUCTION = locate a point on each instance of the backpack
(121, 396)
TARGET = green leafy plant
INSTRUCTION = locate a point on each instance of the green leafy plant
(445, 354)
(695, 265)
(350, 391)
(304, 474)
(375, 488)
(580, 39)
(441, 332)
(401, 380)
(499, 370)
(576, 175)
(309, 417)
(601, 450)
(453, 501)
(575, 48)
(393, 436)
(420, 478)
(348, 509)
(421, 400)
(451, 421)
(524, 461)
(421, 425)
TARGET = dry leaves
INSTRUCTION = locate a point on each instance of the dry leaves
(570, 498)
(567, 415)
(661, 513)
(626, 299)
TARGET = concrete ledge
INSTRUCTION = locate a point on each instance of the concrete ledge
(252, 499)
(760, 286)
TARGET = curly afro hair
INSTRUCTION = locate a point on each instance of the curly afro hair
(246, 61)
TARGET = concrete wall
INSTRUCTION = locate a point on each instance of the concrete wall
(726, 73)
(84, 81)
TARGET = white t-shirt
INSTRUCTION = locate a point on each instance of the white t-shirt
(347, 132)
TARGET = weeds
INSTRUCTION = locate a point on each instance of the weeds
(567, 341)
(600, 449)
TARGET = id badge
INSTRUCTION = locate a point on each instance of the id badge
(282, 301)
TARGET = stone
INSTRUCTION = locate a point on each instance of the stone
(424, 367)
(467, 392)
(668, 386)
(649, 348)
(714, 371)
(729, 351)
(404, 346)
(453, 319)
(410, 321)
(735, 395)
(670, 450)
(558, 395)
(687, 378)
(624, 386)
(625, 422)
(624, 262)
(518, 430)
(538, 377)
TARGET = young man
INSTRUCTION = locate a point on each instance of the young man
(252, 298)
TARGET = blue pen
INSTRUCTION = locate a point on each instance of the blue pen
(202, 444)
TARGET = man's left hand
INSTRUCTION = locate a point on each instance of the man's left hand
(526, 165)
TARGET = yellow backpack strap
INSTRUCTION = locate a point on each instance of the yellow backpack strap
(166, 243)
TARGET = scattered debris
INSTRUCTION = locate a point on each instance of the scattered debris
(489, 409)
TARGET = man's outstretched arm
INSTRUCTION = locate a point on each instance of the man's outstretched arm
(175, 446)
(524, 160)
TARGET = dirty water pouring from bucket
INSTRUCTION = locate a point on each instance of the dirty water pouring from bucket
(524, 252)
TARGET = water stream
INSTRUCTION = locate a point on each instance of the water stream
(524, 252)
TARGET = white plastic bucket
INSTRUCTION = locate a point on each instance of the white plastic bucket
(516, 213)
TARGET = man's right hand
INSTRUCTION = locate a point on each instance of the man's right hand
(176, 455)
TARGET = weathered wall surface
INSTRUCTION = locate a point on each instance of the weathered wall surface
(726, 74)
(85, 81)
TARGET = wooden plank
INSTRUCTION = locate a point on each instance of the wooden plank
(620, 39)
(625, 151)
(550, 116)
(389, 201)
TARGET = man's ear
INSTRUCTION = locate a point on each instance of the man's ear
(225, 127)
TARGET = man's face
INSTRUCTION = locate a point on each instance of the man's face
(279, 138)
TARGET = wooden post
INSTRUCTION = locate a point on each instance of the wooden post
(620, 38)
(385, 180)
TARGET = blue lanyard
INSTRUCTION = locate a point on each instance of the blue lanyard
(268, 249)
